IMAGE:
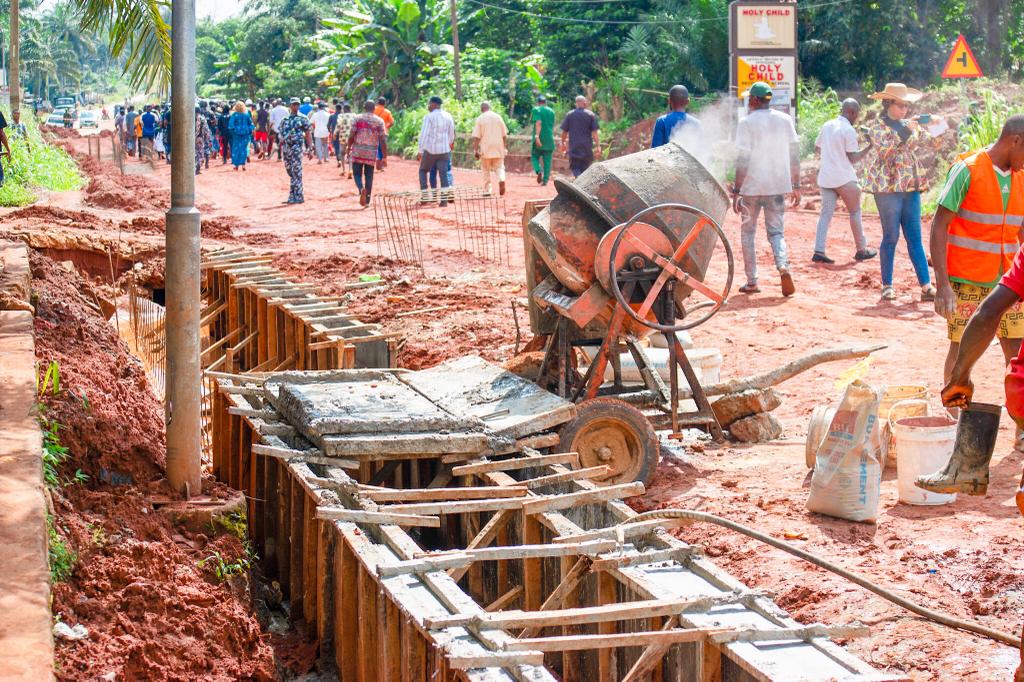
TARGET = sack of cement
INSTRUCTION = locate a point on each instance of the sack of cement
(848, 466)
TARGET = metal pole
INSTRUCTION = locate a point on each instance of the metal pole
(14, 61)
(455, 45)
(184, 374)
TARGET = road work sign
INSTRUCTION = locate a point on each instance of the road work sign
(962, 63)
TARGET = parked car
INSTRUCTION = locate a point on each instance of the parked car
(88, 119)
(65, 103)
(56, 118)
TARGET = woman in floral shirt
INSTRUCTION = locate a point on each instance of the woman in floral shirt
(896, 178)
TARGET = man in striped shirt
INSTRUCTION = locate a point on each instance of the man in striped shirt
(437, 139)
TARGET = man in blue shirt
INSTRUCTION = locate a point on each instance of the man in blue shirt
(676, 120)
(306, 107)
(149, 122)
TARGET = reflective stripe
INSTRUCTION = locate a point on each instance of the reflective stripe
(991, 218)
(978, 245)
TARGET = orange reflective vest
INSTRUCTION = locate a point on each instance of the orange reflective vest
(984, 237)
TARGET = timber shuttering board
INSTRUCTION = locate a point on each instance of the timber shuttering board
(379, 617)
(259, 319)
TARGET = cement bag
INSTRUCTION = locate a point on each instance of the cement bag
(848, 464)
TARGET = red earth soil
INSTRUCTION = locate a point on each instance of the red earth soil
(152, 606)
(965, 557)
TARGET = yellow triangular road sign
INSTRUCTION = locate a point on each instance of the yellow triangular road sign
(962, 63)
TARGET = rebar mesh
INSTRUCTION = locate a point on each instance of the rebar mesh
(481, 222)
(147, 338)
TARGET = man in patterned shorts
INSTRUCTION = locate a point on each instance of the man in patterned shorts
(975, 235)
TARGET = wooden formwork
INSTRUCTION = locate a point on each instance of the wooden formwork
(259, 319)
(495, 569)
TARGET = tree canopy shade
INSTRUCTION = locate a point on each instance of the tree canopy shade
(139, 33)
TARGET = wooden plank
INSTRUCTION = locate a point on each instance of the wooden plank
(368, 662)
(532, 575)
(607, 661)
(393, 663)
(495, 659)
(357, 516)
(563, 477)
(679, 554)
(422, 566)
(505, 600)
(512, 464)
(484, 537)
(431, 494)
(297, 586)
(310, 539)
(583, 615)
(324, 594)
(527, 551)
(562, 592)
(627, 531)
(607, 642)
(460, 507)
(649, 660)
(347, 612)
(556, 502)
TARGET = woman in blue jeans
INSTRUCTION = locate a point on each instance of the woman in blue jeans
(896, 179)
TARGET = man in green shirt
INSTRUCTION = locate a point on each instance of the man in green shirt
(957, 297)
(543, 119)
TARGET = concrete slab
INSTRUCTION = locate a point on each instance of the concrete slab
(372, 414)
(26, 642)
(509, 405)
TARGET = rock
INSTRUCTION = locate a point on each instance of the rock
(758, 428)
(736, 406)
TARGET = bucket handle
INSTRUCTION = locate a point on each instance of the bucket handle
(892, 408)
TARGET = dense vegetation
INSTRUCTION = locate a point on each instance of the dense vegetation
(622, 54)
(36, 165)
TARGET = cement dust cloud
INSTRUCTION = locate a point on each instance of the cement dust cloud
(711, 143)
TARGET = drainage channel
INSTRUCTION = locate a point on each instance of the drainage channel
(421, 522)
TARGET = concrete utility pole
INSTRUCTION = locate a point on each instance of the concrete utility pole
(184, 373)
(14, 59)
(455, 44)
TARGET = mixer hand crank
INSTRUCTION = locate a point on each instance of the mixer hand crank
(671, 267)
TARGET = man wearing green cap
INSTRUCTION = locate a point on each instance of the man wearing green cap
(767, 169)
(543, 147)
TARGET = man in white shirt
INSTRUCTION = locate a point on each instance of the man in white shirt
(277, 114)
(489, 134)
(837, 178)
(321, 133)
(767, 169)
(437, 138)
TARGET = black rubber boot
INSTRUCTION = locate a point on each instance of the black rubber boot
(967, 470)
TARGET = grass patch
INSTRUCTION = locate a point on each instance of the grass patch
(61, 557)
(36, 165)
(817, 106)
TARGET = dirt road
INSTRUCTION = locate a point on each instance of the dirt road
(964, 558)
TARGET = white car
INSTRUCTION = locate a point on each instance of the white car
(88, 119)
(56, 119)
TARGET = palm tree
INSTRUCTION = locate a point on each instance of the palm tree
(137, 30)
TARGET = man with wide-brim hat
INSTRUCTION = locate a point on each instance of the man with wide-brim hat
(896, 178)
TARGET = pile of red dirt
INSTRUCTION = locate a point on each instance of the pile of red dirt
(54, 215)
(108, 188)
(60, 131)
(145, 590)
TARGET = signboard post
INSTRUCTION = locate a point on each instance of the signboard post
(762, 47)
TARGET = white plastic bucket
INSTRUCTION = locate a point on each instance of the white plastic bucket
(925, 445)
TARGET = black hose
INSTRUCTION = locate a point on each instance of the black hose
(935, 616)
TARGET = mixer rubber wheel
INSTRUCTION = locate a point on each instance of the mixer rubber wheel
(610, 432)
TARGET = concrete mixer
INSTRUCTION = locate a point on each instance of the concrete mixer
(621, 253)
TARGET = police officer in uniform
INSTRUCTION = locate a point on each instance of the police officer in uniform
(294, 133)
